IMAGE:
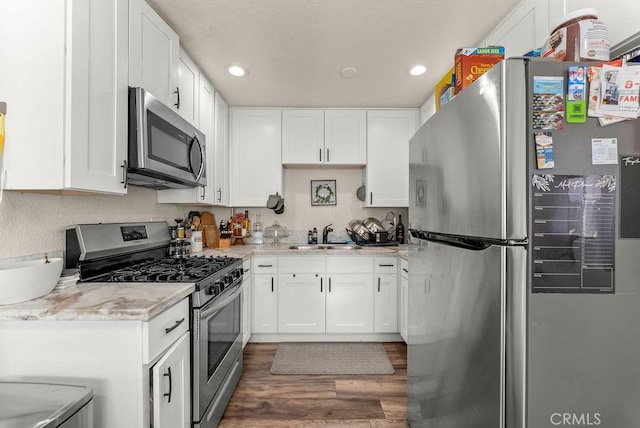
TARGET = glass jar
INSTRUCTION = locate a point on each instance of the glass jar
(258, 233)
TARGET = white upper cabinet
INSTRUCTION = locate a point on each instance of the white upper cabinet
(65, 70)
(345, 137)
(187, 101)
(256, 155)
(302, 136)
(524, 29)
(153, 52)
(323, 137)
(220, 189)
(387, 171)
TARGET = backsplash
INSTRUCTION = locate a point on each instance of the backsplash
(299, 215)
(32, 223)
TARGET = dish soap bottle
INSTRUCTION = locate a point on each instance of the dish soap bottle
(400, 230)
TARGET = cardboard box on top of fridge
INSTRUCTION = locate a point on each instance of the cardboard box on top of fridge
(447, 96)
(472, 63)
(447, 81)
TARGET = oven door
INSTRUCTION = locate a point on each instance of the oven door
(217, 344)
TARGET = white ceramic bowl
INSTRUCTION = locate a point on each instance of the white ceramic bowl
(28, 280)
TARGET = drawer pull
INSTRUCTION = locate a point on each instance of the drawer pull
(265, 265)
(406, 270)
(173, 327)
(386, 265)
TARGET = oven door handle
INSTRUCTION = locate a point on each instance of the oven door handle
(206, 313)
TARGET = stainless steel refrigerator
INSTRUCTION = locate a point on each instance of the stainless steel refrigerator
(524, 282)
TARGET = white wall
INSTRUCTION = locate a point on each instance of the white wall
(32, 223)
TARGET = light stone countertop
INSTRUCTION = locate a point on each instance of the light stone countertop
(245, 251)
(143, 301)
(100, 302)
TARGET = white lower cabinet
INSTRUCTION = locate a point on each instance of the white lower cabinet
(301, 300)
(265, 294)
(301, 294)
(386, 295)
(171, 387)
(131, 365)
(350, 294)
(338, 296)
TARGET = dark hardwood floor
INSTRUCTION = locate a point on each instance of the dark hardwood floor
(265, 400)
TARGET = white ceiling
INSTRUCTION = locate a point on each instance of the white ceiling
(294, 49)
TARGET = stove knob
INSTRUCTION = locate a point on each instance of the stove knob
(214, 289)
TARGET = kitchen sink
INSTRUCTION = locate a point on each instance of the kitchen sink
(323, 247)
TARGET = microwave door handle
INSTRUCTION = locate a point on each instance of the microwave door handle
(198, 175)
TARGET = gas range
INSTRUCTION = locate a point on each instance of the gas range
(139, 252)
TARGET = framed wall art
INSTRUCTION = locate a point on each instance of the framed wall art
(323, 192)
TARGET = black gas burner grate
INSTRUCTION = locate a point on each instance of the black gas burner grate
(190, 269)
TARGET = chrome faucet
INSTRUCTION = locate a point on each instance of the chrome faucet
(325, 233)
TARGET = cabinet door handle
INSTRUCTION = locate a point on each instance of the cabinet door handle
(405, 269)
(219, 194)
(173, 327)
(321, 285)
(327, 155)
(329, 285)
(272, 284)
(247, 270)
(371, 198)
(204, 192)
(168, 394)
(265, 265)
(177, 104)
(378, 284)
(124, 174)
(320, 150)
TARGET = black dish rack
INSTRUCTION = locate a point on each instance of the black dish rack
(378, 239)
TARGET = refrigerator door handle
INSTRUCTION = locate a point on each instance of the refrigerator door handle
(473, 243)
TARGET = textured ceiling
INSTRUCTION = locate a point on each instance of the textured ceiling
(294, 49)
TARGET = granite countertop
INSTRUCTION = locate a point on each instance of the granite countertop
(245, 251)
(100, 302)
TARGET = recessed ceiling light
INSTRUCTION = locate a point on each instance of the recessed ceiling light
(348, 72)
(417, 70)
(236, 70)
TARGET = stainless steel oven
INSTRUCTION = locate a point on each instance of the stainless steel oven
(138, 252)
(217, 354)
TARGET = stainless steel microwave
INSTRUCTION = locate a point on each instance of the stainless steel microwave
(165, 151)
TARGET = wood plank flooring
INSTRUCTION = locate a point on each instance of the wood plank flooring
(265, 400)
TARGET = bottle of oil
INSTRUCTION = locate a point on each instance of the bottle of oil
(400, 230)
